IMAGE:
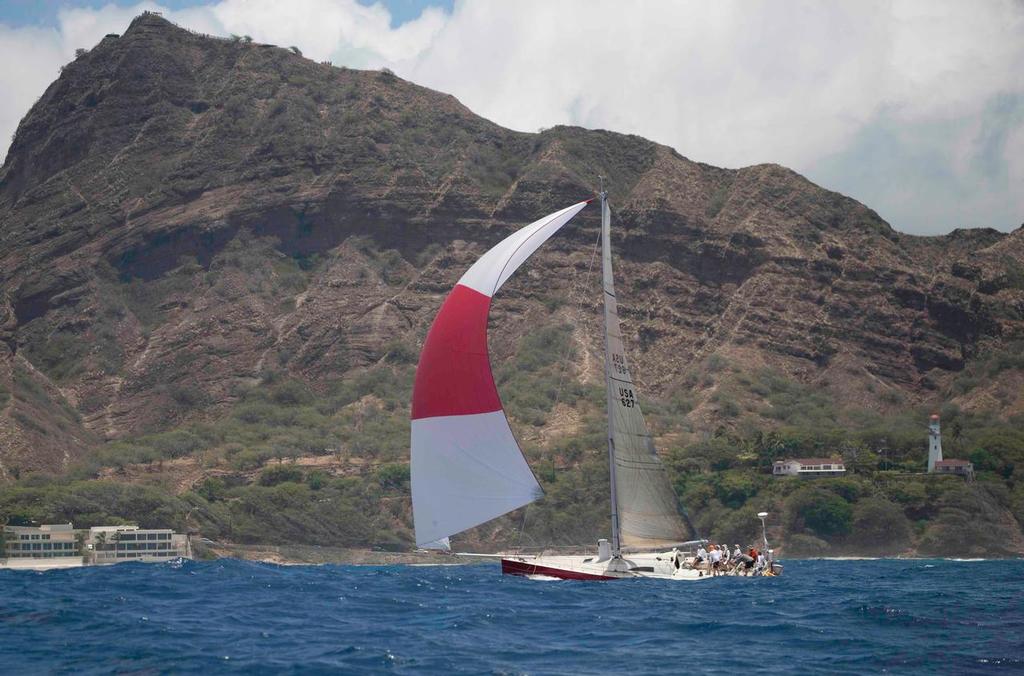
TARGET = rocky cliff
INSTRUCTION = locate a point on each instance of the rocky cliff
(181, 214)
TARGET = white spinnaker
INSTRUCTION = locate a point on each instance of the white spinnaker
(466, 470)
(648, 510)
(494, 268)
(466, 466)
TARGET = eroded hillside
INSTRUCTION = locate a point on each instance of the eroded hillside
(185, 219)
(181, 213)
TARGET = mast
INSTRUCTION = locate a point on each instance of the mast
(608, 289)
(645, 509)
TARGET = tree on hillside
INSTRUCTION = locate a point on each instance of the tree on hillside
(879, 525)
(821, 512)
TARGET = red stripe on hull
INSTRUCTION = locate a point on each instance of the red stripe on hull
(454, 373)
(515, 567)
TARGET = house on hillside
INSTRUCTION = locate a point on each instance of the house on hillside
(809, 467)
(962, 468)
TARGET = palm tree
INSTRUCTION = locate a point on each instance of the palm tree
(958, 430)
(100, 546)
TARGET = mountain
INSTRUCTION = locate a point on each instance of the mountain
(185, 219)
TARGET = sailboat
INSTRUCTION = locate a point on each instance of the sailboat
(467, 467)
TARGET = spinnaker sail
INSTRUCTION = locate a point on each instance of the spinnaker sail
(466, 466)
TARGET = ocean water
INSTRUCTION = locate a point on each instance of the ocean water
(909, 616)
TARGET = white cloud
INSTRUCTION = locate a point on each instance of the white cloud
(33, 56)
(807, 84)
(331, 28)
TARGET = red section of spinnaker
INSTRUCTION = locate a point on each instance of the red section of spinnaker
(454, 374)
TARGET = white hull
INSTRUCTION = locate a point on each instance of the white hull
(657, 565)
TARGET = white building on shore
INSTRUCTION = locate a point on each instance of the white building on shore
(115, 544)
(62, 546)
(40, 548)
(809, 467)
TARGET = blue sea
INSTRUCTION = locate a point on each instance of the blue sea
(898, 616)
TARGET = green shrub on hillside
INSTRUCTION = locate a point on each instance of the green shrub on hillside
(574, 509)
(393, 476)
(989, 366)
(290, 512)
(740, 527)
(212, 489)
(913, 495)
(539, 375)
(733, 488)
(27, 388)
(880, 526)
(393, 386)
(849, 488)
(92, 503)
(998, 450)
(954, 530)
(802, 545)
(61, 355)
(374, 432)
(821, 512)
(400, 352)
(279, 474)
(793, 403)
(715, 454)
(251, 458)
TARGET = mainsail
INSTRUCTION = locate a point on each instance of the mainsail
(645, 508)
(466, 466)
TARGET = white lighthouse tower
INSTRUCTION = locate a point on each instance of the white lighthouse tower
(934, 443)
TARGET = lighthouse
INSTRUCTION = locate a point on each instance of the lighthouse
(934, 443)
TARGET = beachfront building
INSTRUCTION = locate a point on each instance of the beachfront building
(116, 544)
(63, 546)
(46, 546)
(809, 467)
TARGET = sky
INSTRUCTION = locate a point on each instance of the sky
(913, 107)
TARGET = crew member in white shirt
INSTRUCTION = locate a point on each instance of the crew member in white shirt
(715, 556)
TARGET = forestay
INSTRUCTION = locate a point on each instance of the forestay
(647, 507)
(466, 466)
